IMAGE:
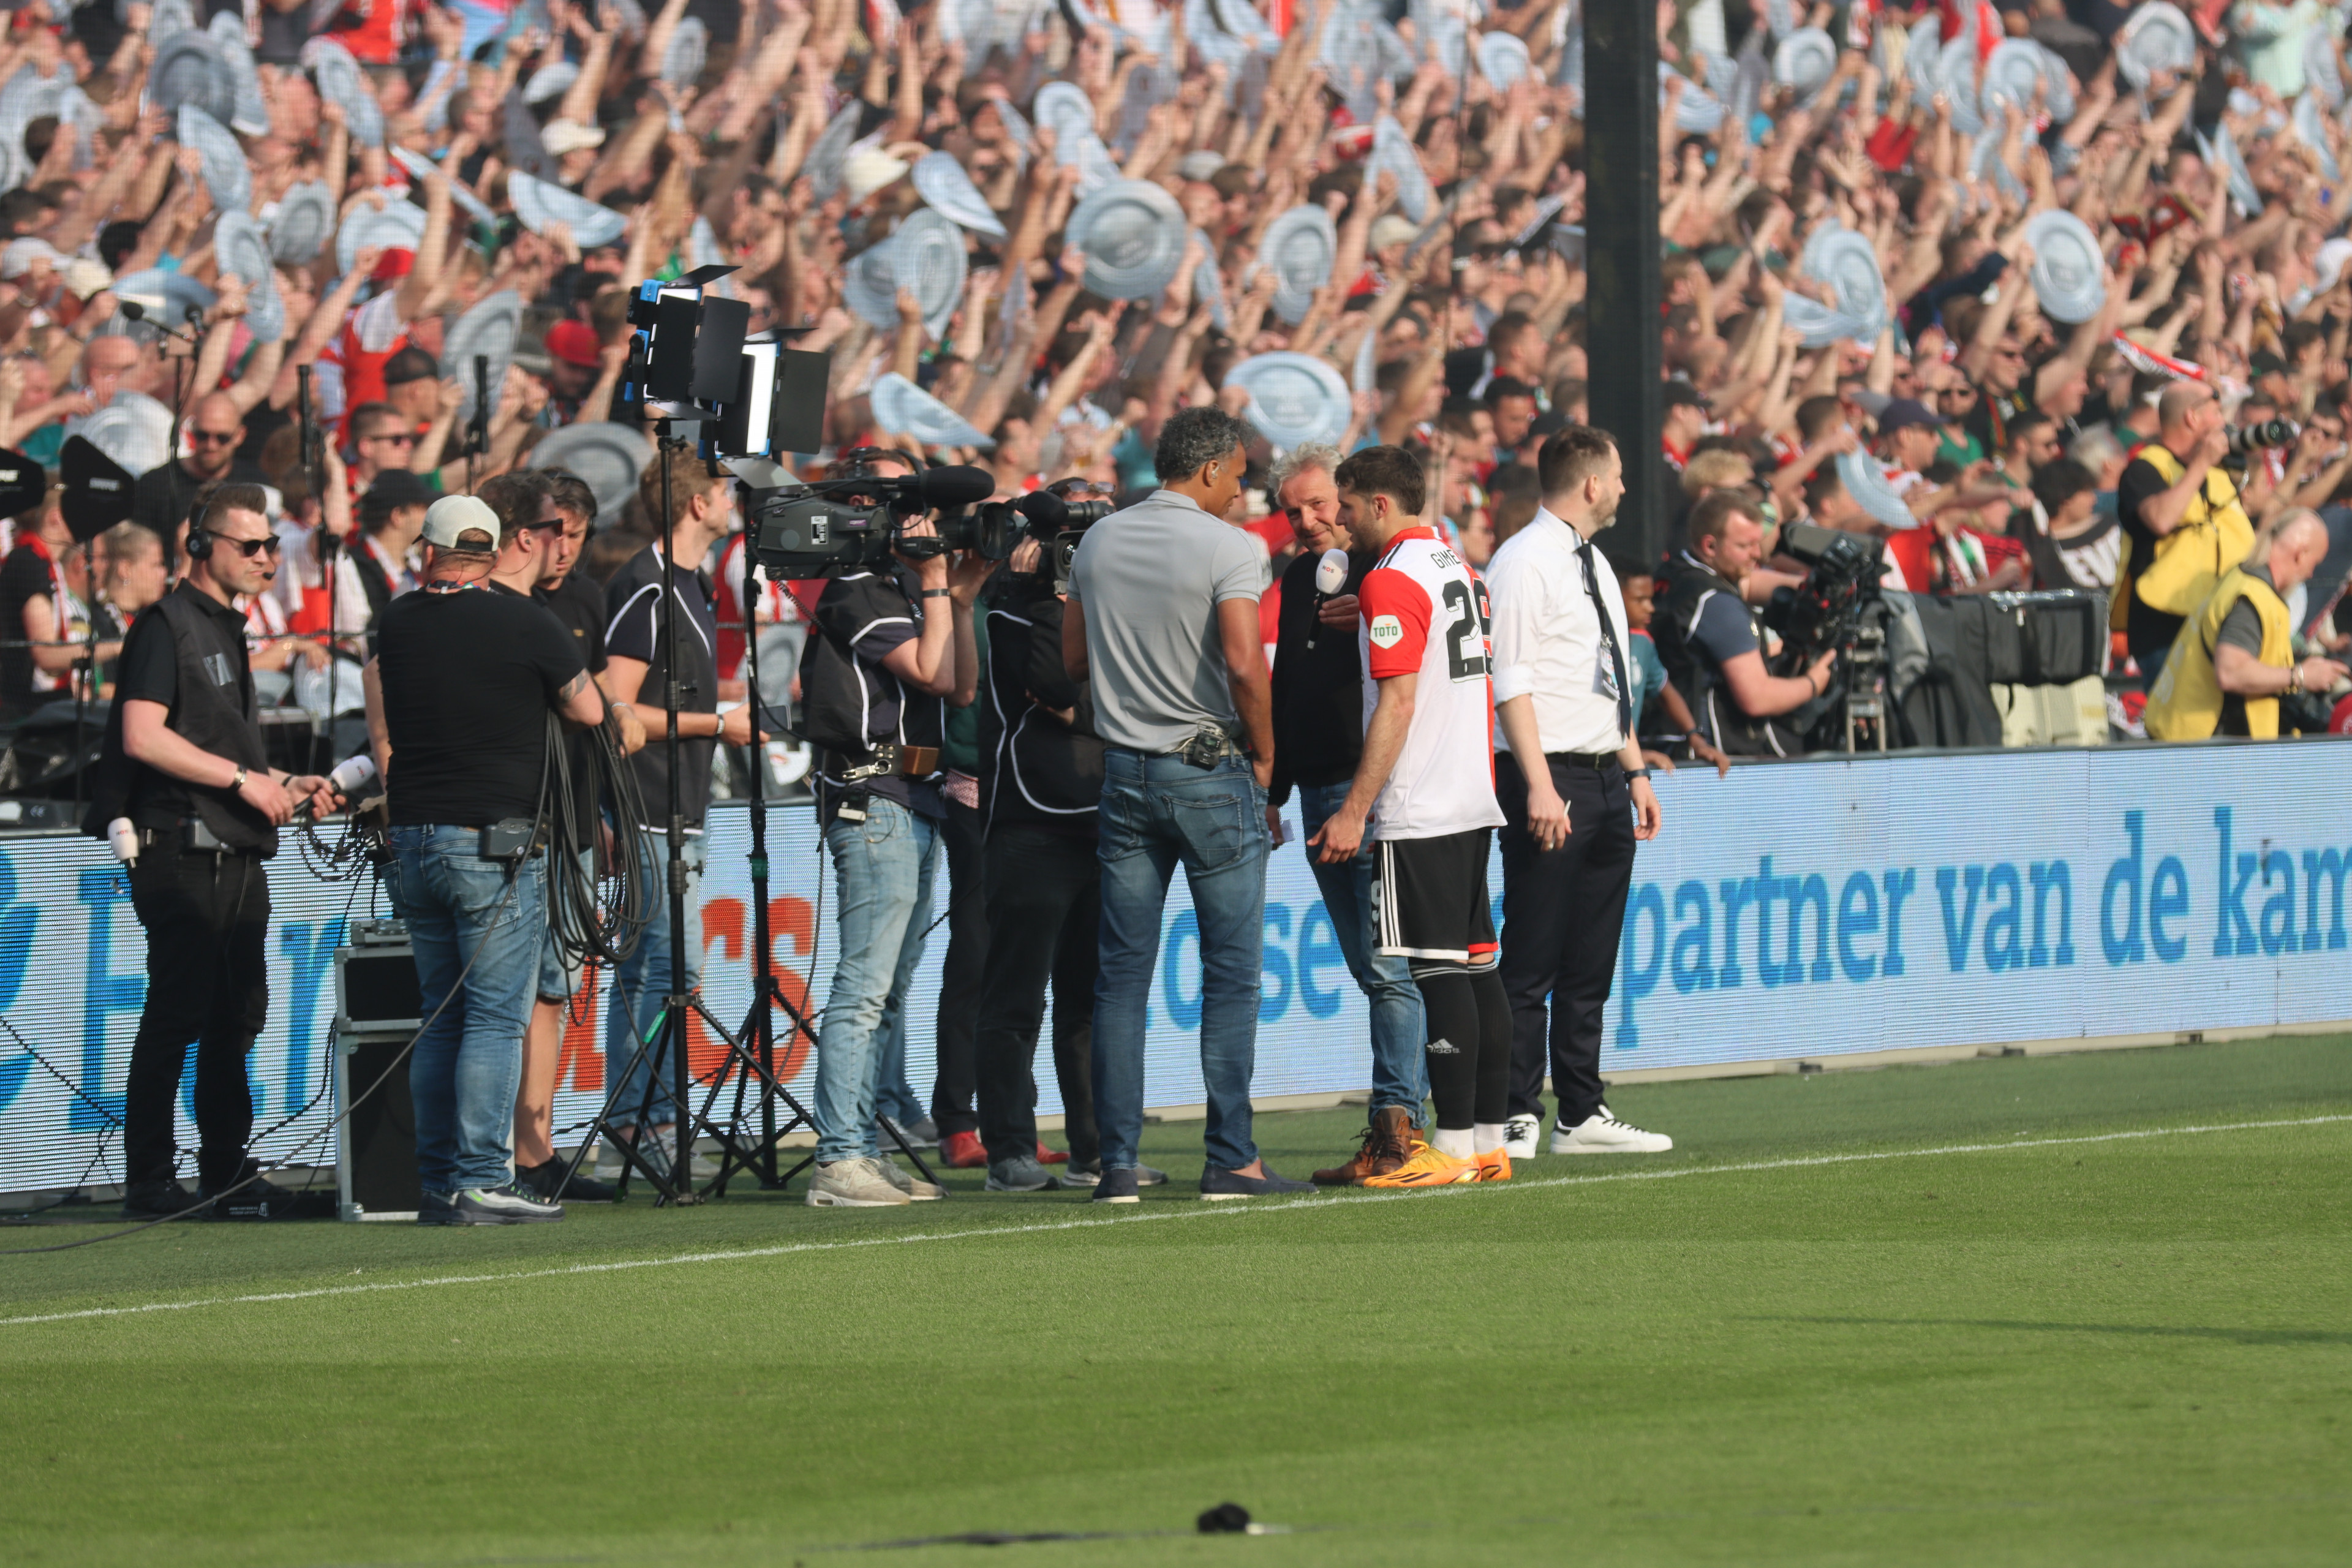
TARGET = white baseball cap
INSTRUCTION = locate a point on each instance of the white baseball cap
(452, 516)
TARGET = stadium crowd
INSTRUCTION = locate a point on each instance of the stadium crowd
(1928, 275)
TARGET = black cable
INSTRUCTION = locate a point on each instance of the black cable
(455, 988)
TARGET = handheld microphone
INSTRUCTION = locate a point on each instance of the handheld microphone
(1330, 576)
(352, 776)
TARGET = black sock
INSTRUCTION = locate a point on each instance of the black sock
(1450, 1001)
(1493, 1100)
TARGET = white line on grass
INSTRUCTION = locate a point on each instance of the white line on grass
(1207, 1211)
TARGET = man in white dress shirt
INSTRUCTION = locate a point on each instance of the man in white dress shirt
(1575, 795)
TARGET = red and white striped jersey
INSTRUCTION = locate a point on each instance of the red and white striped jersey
(1424, 612)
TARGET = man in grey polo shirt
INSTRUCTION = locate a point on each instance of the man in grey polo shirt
(1162, 615)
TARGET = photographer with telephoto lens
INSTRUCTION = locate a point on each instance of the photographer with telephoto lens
(876, 677)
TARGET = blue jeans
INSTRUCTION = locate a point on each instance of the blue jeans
(639, 983)
(472, 917)
(883, 869)
(1400, 1067)
(559, 972)
(1157, 811)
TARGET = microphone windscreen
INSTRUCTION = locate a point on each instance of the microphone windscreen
(1043, 508)
(132, 309)
(956, 485)
(1331, 572)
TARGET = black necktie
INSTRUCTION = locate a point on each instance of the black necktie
(1608, 641)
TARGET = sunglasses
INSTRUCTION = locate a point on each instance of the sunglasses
(211, 438)
(401, 438)
(249, 548)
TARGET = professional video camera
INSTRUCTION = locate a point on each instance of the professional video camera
(1835, 607)
(859, 520)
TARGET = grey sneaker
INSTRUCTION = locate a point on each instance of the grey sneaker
(922, 1134)
(1021, 1175)
(855, 1184)
(1077, 1176)
(507, 1205)
(917, 1192)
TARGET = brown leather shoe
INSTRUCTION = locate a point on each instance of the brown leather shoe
(1386, 1144)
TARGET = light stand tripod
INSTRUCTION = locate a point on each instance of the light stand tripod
(759, 1031)
(666, 1049)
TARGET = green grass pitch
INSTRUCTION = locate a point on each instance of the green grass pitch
(2078, 1310)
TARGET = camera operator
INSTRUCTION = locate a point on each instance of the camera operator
(2180, 511)
(457, 701)
(1318, 734)
(539, 543)
(1709, 636)
(183, 761)
(1163, 614)
(1042, 774)
(700, 507)
(873, 678)
(2235, 658)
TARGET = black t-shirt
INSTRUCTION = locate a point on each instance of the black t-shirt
(468, 678)
(579, 604)
(637, 629)
(25, 575)
(2149, 631)
(850, 697)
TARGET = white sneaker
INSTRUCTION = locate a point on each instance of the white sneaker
(917, 1192)
(1519, 1135)
(853, 1184)
(1602, 1133)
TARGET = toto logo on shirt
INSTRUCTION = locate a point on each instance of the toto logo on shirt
(1387, 631)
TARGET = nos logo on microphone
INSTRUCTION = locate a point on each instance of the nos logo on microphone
(1387, 631)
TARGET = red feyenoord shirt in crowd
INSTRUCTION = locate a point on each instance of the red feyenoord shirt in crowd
(1424, 612)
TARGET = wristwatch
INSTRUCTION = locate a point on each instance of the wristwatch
(2295, 681)
(238, 782)
(939, 592)
(1637, 773)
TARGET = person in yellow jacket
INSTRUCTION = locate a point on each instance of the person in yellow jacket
(2181, 514)
(2235, 658)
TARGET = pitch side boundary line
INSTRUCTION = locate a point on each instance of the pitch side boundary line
(1206, 1211)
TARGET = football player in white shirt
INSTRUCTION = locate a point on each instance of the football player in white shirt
(1424, 791)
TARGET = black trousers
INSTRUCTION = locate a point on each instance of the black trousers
(207, 922)
(1044, 914)
(1563, 910)
(964, 972)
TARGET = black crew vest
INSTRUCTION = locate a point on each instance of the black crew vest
(1688, 584)
(215, 710)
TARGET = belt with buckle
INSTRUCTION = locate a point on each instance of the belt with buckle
(1599, 761)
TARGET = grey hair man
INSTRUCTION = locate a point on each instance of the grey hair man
(1163, 616)
(2234, 657)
